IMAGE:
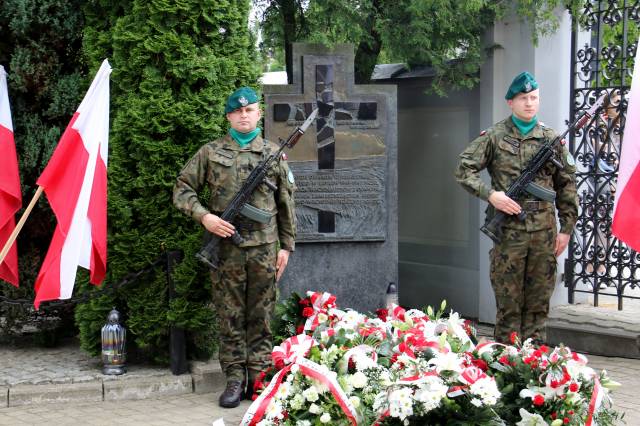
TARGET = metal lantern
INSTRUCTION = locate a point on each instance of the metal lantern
(391, 296)
(113, 345)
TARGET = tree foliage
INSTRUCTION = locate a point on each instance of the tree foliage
(443, 34)
(173, 63)
(617, 34)
(40, 49)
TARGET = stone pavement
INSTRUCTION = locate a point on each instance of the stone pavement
(602, 330)
(185, 409)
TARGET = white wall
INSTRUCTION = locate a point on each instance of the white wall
(550, 63)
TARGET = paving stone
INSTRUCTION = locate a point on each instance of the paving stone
(81, 379)
(594, 340)
(38, 394)
(596, 330)
(146, 387)
(207, 376)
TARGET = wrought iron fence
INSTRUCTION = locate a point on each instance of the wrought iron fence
(603, 48)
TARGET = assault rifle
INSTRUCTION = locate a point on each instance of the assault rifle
(208, 254)
(493, 225)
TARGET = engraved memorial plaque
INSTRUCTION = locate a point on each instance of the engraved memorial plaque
(345, 174)
(341, 164)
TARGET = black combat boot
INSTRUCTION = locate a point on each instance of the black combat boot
(232, 395)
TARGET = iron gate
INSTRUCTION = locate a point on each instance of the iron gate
(603, 48)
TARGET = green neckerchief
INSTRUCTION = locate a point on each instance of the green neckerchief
(244, 138)
(523, 126)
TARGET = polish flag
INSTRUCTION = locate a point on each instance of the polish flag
(10, 195)
(75, 181)
(626, 209)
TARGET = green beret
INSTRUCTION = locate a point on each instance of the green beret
(240, 98)
(523, 83)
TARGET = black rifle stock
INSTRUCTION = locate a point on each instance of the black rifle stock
(493, 225)
(208, 254)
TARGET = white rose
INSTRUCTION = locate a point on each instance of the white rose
(314, 409)
(310, 394)
(385, 378)
(358, 380)
(297, 402)
(325, 418)
(355, 401)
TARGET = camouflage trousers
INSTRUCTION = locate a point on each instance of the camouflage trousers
(523, 274)
(244, 294)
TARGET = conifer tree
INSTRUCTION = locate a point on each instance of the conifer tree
(174, 64)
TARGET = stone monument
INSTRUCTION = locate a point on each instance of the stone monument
(345, 169)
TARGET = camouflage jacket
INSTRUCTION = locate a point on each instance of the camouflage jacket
(223, 165)
(504, 152)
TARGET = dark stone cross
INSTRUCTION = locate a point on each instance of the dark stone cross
(329, 113)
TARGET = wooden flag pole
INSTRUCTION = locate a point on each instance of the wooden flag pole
(20, 224)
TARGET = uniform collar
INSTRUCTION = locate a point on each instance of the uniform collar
(537, 132)
(256, 145)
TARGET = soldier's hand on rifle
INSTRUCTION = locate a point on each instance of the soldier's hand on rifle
(502, 202)
(281, 262)
(217, 226)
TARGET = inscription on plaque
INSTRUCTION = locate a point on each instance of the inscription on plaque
(349, 204)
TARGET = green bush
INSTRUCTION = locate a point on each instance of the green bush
(173, 66)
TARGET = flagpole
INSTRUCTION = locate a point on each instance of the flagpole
(20, 224)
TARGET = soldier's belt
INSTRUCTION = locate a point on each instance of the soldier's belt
(535, 205)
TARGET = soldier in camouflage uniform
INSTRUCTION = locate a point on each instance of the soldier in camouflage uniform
(244, 286)
(523, 264)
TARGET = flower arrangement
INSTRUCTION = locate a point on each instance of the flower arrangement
(413, 367)
(547, 386)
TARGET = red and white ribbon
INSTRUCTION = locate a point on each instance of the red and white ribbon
(455, 391)
(472, 374)
(417, 379)
(318, 372)
(397, 312)
(596, 400)
(320, 302)
(292, 349)
(488, 346)
(361, 350)
(292, 352)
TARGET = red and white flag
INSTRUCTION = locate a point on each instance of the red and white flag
(75, 181)
(626, 209)
(10, 195)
